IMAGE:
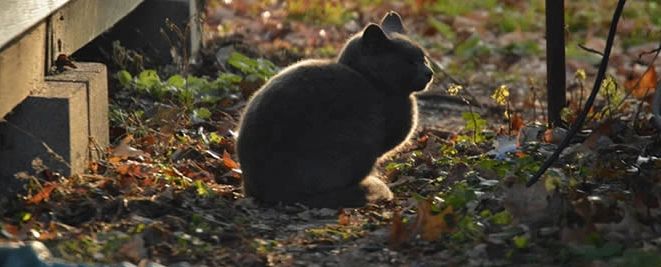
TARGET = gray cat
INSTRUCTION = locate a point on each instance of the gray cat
(313, 132)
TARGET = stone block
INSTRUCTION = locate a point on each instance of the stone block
(94, 78)
(53, 120)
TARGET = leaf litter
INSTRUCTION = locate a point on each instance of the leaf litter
(169, 191)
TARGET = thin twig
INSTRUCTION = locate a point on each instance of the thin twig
(437, 67)
(582, 46)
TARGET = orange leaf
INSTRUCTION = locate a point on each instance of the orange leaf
(398, 233)
(93, 167)
(122, 169)
(643, 86)
(114, 160)
(344, 218)
(228, 161)
(422, 140)
(43, 194)
(135, 170)
(517, 122)
(432, 226)
(48, 234)
(10, 230)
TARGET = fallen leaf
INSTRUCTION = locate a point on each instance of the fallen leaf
(430, 225)
(43, 194)
(124, 150)
(517, 122)
(643, 86)
(398, 232)
(229, 162)
(344, 218)
(93, 167)
(48, 234)
(10, 231)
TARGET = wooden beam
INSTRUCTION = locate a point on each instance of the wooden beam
(17, 17)
(80, 21)
(22, 68)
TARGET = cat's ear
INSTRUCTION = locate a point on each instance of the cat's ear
(392, 22)
(373, 36)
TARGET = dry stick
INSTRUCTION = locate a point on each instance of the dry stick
(582, 46)
(593, 94)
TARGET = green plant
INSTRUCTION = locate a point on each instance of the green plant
(476, 125)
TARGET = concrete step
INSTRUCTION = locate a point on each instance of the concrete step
(61, 124)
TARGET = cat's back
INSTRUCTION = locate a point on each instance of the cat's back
(312, 87)
(315, 76)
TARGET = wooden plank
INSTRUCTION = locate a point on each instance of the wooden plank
(18, 16)
(80, 21)
(22, 68)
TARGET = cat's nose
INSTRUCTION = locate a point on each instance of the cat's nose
(428, 73)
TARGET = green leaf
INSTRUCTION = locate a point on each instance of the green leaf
(264, 69)
(215, 138)
(502, 218)
(473, 121)
(147, 79)
(196, 84)
(201, 189)
(229, 77)
(186, 97)
(202, 113)
(242, 62)
(124, 78)
(475, 124)
(402, 167)
(177, 81)
(26, 216)
(460, 195)
(520, 241)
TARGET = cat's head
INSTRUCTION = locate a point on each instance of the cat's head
(385, 55)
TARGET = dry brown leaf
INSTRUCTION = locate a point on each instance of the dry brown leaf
(49, 234)
(10, 231)
(344, 218)
(517, 122)
(122, 169)
(93, 167)
(124, 150)
(644, 86)
(398, 232)
(229, 162)
(43, 194)
(429, 225)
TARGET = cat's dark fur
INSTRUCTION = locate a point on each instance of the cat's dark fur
(313, 132)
